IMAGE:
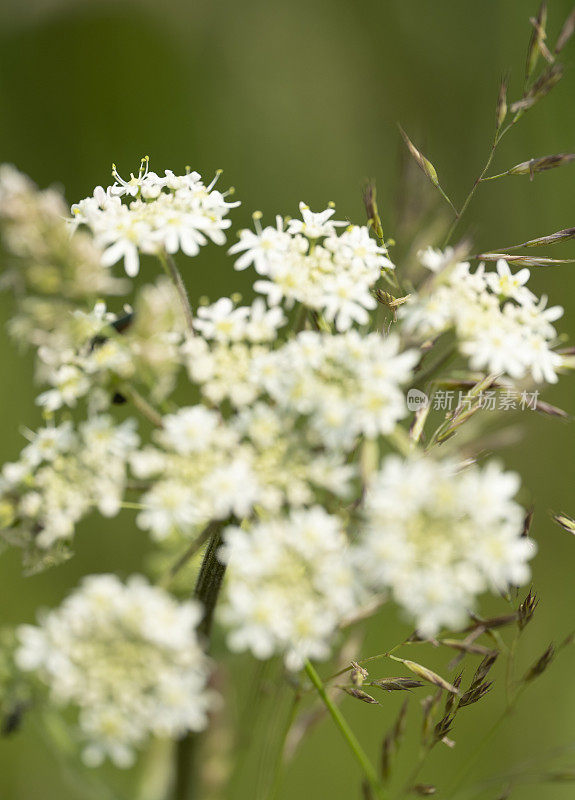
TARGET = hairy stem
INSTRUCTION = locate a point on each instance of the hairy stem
(175, 276)
(206, 591)
(347, 733)
(142, 405)
(188, 554)
(209, 581)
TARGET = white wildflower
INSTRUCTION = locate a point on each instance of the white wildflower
(289, 585)
(162, 215)
(438, 535)
(222, 321)
(507, 284)
(262, 247)
(499, 324)
(347, 384)
(64, 473)
(310, 264)
(127, 658)
(435, 260)
(314, 224)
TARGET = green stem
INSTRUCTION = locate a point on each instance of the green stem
(472, 760)
(425, 375)
(400, 440)
(157, 772)
(300, 318)
(347, 733)
(493, 177)
(142, 405)
(510, 670)
(413, 775)
(469, 197)
(499, 134)
(185, 784)
(175, 276)
(188, 554)
(446, 198)
(249, 721)
(378, 657)
(206, 591)
(279, 764)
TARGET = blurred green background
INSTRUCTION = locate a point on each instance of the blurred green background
(299, 101)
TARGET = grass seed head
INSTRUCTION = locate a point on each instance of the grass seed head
(567, 523)
(483, 669)
(474, 694)
(566, 32)
(428, 675)
(527, 609)
(424, 789)
(396, 684)
(537, 38)
(358, 674)
(501, 110)
(424, 164)
(539, 667)
(359, 694)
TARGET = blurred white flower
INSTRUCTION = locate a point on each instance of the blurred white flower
(347, 384)
(126, 656)
(435, 260)
(63, 474)
(438, 535)
(289, 584)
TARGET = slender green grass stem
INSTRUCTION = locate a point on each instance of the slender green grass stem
(279, 763)
(426, 375)
(413, 775)
(347, 733)
(473, 759)
(499, 134)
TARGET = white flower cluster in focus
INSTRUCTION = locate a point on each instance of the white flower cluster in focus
(308, 262)
(437, 536)
(127, 657)
(500, 324)
(161, 215)
(290, 583)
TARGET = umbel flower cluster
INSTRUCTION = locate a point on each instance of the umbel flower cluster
(500, 325)
(127, 657)
(274, 438)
